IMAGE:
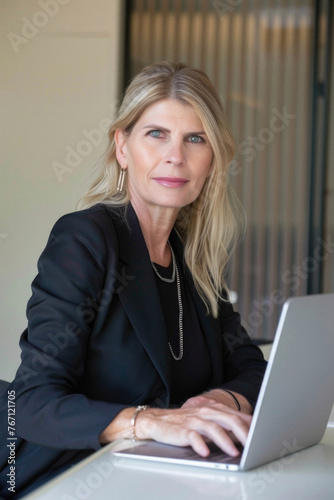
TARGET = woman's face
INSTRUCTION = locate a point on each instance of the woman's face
(168, 155)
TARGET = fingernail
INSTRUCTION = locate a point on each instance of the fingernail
(235, 451)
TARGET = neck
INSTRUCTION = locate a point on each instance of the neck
(156, 224)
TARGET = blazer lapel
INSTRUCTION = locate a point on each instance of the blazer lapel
(139, 296)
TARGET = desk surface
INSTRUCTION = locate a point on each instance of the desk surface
(305, 475)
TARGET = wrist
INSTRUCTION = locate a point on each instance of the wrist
(226, 397)
(119, 427)
(148, 421)
(234, 397)
(135, 415)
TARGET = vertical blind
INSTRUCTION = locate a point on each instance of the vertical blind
(258, 55)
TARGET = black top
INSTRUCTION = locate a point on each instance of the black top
(191, 374)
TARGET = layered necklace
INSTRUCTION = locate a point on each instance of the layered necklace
(176, 274)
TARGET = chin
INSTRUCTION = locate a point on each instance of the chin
(177, 205)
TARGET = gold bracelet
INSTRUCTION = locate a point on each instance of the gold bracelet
(133, 421)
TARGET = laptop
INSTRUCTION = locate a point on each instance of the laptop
(295, 400)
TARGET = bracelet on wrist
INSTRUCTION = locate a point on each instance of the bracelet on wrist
(234, 398)
(133, 421)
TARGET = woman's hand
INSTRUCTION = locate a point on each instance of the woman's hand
(209, 417)
(219, 396)
(194, 425)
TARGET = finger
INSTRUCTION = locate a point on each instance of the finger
(197, 431)
(193, 431)
(198, 437)
(221, 438)
(198, 444)
(239, 427)
(193, 426)
(219, 411)
(182, 435)
(231, 421)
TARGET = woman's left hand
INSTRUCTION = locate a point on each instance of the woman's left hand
(219, 396)
(215, 396)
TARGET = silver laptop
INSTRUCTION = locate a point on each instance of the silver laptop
(295, 399)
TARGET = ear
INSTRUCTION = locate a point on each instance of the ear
(120, 142)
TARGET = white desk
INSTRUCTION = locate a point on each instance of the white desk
(307, 475)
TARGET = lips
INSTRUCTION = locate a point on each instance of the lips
(172, 182)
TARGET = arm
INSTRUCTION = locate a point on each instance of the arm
(50, 409)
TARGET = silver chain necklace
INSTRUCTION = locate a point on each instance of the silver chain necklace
(179, 298)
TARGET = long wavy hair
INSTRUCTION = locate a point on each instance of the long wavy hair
(211, 226)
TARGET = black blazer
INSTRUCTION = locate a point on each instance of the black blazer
(96, 341)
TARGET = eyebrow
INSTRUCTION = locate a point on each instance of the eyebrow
(154, 126)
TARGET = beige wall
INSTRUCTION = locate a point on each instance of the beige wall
(61, 62)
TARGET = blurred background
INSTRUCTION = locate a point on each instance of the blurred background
(65, 64)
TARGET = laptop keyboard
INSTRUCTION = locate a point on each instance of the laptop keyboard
(155, 449)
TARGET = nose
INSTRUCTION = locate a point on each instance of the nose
(175, 154)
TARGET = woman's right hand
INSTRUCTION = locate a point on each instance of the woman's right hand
(195, 426)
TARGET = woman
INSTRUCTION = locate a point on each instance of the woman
(130, 332)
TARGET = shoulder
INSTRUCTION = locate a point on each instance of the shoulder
(100, 215)
(100, 220)
(93, 231)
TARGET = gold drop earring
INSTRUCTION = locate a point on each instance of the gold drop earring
(121, 179)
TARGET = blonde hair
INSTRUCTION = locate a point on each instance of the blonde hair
(210, 227)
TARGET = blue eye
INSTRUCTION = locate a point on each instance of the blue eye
(196, 139)
(155, 133)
